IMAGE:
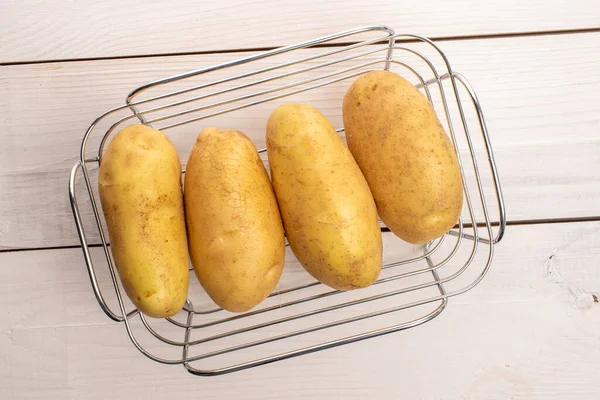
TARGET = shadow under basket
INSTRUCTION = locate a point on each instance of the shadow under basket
(302, 316)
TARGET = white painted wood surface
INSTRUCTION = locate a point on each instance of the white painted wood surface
(541, 108)
(43, 30)
(516, 335)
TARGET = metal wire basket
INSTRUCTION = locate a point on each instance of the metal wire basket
(302, 316)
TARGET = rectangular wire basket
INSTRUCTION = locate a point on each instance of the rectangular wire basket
(302, 316)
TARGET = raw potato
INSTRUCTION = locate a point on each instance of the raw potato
(405, 155)
(328, 211)
(235, 232)
(140, 190)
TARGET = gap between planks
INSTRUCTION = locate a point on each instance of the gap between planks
(468, 225)
(336, 44)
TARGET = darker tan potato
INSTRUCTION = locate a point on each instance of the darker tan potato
(235, 231)
(408, 160)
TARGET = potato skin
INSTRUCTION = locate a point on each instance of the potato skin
(408, 160)
(235, 231)
(140, 190)
(328, 211)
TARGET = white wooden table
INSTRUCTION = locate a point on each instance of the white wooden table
(536, 68)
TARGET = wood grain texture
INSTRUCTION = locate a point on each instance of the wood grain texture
(516, 335)
(542, 109)
(41, 30)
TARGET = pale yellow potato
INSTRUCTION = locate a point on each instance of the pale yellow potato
(408, 160)
(328, 212)
(235, 232)
(140, 190)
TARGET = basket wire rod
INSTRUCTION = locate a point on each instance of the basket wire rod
(322, 346)
(432, 268)
(273, 322)
(490, 155)
(352, 319)
(133, 106)
(141, 114)
(441, 297)
(274, 90)
(328, 294)
(390, 52)
(253, 103)
(467, 135)
(469, 142)
(438, 80)
(329, 344)
(85, 248)
(229, 101)
(434, 272)
(232, 63)
(125, 319)
(314, 329)
(260, 93)
(264, 92)
(133, 94)
(380, 296)
(113, 273)
(419, 77)
(224, 102)
(473, 158)
(274, 52)
(353, 338)
(428, 254)
(253, 83)
(430, 251)
(453, 137)
(277, 293)
(474, 163)
(492, 163)
(188, 331)
(489, 151)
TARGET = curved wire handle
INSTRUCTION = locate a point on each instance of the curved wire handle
(490, 154)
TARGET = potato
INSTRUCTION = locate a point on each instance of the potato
(328, 212)
(140, 190)
(235, 232)
(405, 155)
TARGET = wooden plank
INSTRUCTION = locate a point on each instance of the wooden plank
(41, 30)
(517, 334)
(547, 159)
